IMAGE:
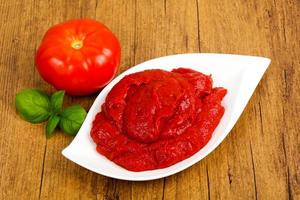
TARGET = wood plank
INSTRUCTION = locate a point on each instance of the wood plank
(181, 32)
(119, 15)
(63, 179)
(228, 28)
(22, 144)
(149, 43)
(79, 183)
(251, 28)
(287, 47)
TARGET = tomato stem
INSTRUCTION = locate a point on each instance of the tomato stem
(77, 44)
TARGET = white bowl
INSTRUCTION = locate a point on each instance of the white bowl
(238, 74)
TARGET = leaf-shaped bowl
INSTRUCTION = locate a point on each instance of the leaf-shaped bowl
(239, 74)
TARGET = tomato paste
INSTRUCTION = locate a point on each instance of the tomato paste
(155, 118)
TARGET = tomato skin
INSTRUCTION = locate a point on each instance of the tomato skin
(79, 56)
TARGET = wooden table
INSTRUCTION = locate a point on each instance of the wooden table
(260, 159)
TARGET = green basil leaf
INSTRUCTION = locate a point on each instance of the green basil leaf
(33, 105)
(51, 125)
(56, 101)
(72, 119)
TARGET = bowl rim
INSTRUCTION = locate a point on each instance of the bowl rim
(66, 153)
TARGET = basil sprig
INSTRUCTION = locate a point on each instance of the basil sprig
(56, 101)
(52, 124)
(33, 105)
(71, 119)
(36, 106)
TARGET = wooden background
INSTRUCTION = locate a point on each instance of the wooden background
(260, 159)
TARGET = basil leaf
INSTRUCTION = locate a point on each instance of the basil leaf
(51, 125)
(72, 119)
(56, 101)
(33, 105)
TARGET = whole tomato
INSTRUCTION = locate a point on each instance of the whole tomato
(78, 56)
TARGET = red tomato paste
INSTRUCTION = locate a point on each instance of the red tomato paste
(155, 118)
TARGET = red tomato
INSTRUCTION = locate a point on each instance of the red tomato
(78, 56)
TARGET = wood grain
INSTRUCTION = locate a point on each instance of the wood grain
(258, 160)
